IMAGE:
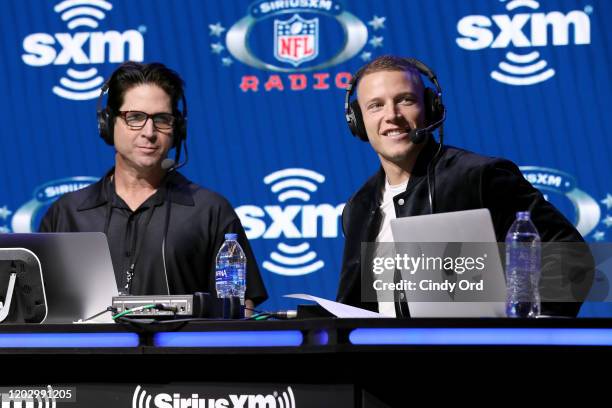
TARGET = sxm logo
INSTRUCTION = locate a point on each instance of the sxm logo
(524, 65)
(81, 50)
(292, 185)
(142, 399)
(308, 36)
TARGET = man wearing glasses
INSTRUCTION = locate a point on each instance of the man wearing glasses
(163, 230)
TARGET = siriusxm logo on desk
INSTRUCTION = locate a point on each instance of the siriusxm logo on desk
(294, 256)
(524, 65)
(82, 49)
(142, 399)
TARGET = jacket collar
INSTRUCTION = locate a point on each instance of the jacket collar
(424, 159)
(97, 194)
(374, 186)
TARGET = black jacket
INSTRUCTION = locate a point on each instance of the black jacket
(176, 232)
(462, 180)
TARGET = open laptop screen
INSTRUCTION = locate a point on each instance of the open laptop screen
(77, 272)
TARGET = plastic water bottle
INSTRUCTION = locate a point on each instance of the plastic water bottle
(230, 274)
(523, 259)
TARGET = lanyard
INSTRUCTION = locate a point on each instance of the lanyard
(129, 273)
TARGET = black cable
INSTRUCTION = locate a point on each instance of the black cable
(143, 326)
(166, 226)
(255, 310)
(156, 322)
(281, 315)
(108, 309)
(431, 186)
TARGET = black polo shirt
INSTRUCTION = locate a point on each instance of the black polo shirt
(192, 219)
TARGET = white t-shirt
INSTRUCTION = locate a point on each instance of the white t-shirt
(387, 209)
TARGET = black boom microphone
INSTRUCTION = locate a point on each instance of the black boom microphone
(167, 164)
(420, 134)
(171, 164)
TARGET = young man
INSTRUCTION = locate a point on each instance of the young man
(392, 105)
(163, 230)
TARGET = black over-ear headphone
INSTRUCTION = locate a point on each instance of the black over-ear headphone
(435, 113)
(106, 120)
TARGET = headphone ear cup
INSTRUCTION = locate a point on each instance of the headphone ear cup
(105, 127)
(433, 107)
(350, 115)
(357, 126)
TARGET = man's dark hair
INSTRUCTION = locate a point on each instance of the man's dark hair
(390, 63)
(131, 74)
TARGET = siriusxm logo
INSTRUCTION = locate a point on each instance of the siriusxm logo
(142, 399)
(587, 211)
(295, 39)
(82, 48)
(524, 67)
(292, 184)
(25, 217)
(296, 42)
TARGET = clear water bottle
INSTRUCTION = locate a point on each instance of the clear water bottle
(523, 259)
(230, 274)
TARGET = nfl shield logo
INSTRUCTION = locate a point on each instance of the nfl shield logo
(296, 40)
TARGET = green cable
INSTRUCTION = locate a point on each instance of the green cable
(128, 311)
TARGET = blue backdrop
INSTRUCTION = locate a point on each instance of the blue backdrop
(523, 79)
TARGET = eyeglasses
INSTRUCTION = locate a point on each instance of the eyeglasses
(136, 120)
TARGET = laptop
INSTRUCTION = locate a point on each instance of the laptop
(471, 226)
(77, 273)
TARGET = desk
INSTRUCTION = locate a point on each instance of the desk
(314, 362)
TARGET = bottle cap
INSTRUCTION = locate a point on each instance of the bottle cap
(231, 236)
(522, 215)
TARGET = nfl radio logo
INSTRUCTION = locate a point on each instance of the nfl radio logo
(296, 40)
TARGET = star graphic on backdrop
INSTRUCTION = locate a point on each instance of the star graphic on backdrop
(4, 229)
(216, 29)
(607, 201)
(608, 221)
(376, 42)
(4, 212)
(598, 236)
(377, 22)
(227, 61)
(217, 48)
(366, 56)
